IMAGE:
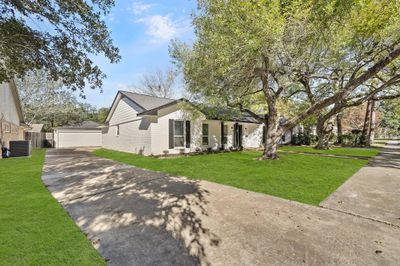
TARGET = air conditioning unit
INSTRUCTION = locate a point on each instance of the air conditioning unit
(20, 148)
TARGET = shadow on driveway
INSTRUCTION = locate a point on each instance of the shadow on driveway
(132, 216)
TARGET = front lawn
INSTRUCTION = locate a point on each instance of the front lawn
(34, 228)
(304, 178)
(344, 151)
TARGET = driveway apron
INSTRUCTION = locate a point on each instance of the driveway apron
(374, 191)
(140, 217)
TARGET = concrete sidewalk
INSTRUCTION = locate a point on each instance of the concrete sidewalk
(374, 191)
(140, 217)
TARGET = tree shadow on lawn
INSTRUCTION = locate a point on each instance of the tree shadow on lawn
(136, 216)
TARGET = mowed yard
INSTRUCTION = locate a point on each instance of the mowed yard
(34, 228)
(307, 178)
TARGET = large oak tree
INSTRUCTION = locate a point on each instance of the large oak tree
(58, 36)
(318, 53)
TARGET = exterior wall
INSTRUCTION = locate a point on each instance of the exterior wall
(10, 128)
(252, 135)
(160, 131)
(8, 106)
(76, 137)
(134, 132)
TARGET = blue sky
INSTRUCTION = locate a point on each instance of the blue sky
(142, 30)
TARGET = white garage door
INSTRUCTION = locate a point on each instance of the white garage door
(71, 138)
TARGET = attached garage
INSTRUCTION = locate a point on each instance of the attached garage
(84, 135)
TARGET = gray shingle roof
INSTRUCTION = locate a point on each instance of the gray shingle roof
(147, 102)
(83, 125)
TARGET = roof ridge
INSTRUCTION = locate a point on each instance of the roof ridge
(142, 94)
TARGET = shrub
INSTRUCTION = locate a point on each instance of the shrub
(303, 139)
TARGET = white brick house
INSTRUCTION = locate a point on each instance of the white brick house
(154, 126)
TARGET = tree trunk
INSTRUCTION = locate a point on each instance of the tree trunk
(339, 128)
(371, 129)
(324, 132)
(363, 138)
(272, 138)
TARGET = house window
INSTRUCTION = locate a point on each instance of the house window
(117, 130)
(205, 134)
(179, 137)
(225, 136)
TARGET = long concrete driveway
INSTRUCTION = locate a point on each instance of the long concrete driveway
(140, 217)
(374, 191)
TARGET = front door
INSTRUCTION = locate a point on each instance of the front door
(237, 135)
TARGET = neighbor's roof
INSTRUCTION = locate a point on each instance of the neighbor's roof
(35, 128)
(147, 102)
(82, 125)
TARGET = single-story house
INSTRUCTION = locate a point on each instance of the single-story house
(11, 118)
(151, 125)
(85, 134)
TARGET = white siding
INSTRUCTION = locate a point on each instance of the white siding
(252, 135)
(134, 132)
(65, 138)
(150, 135)
(7, 105)
(160, 131)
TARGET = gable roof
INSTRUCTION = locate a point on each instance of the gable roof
(150, 105)
(144, 102)
(147, 102)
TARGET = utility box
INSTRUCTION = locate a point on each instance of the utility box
(20, 148)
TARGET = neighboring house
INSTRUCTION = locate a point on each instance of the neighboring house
(150, 125)
(87, 134)
(11, 119)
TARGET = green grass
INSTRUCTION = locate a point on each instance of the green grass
(347, 151)
(304, 178)
(34, 228)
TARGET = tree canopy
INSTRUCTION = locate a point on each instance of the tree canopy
(50, 103)
(316, 53)
(58, 36)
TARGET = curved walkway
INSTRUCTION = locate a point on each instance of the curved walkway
(140, 217)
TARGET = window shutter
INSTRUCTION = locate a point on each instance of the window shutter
(264, 134)
(222, 135)
(171, 134)
(188, 135)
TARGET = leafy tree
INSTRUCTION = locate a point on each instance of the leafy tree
(58, 36)
(390, 116)
(319, 54)
(160, 84)
(48, 102)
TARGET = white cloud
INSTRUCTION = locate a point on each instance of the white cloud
(138, 8)
(162, 29)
